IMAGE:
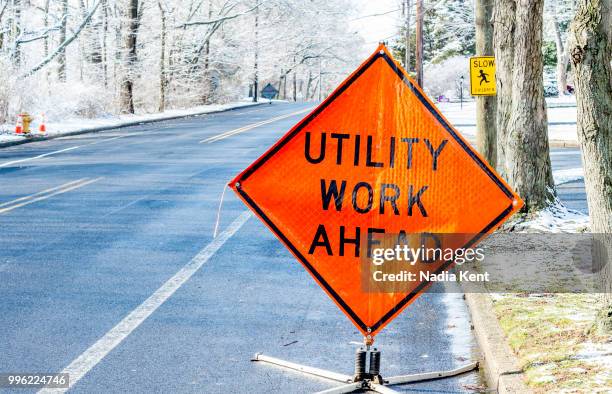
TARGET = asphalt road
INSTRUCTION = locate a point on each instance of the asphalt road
(572, 194)
(94, 226)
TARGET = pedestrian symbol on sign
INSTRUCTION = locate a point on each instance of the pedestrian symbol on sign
(483, 77)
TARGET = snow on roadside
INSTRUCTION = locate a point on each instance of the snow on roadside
(554, 219)
(568, 175)
(77, 124)
(561, 118)
(599, 354)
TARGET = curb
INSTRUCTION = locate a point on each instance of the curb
(502, 369)
(563, 144)
(120, 126)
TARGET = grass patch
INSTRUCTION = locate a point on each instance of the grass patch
(547, 333)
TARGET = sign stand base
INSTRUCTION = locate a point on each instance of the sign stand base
(362, 380)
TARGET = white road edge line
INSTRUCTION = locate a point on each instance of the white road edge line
(49, 190)
(8, 163)
(242, 129)
(92, 356)
(61, 191)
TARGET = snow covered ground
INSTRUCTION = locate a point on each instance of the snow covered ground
(78, 124)
(568, 175)
(561, 118)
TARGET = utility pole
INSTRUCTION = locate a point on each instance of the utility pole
(406, 7)
(419, 42)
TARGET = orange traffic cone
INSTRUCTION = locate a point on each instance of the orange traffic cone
(42, 128)
(19, 125)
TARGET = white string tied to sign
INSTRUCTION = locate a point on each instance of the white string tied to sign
(219, 211)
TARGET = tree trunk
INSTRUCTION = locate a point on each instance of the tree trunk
(503, 47)
(308, 85)
(127, 84)
(46, 39)
(61, 57)
(486, 135)
(294, 85)
(523, 156)
(162, 60)
(104, 42)
(562, 57)
(83, 51)
(320, 81)
(255, 65)
(206, 75)
(17, 31)
(591, 50)
(527, 151)
(285, 87)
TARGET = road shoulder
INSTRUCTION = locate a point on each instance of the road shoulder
(127, 123)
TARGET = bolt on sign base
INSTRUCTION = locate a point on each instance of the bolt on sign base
(372, 380)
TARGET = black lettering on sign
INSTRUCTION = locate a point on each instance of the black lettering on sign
(321, 149)
(416, 199)
(371, 240)
(392, 199)
(344, 240)
(435, 153)
(409, 142)
(332, 191)
(321, 239)
(392, 153)
(339, 138)
(368, 207)
(357, 147)
(369, 162)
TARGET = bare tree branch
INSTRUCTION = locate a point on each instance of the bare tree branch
(221, 19)
(64, 44)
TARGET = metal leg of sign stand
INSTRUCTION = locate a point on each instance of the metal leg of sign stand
(367, 374)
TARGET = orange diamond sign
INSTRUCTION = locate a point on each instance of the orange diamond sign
(376, 157)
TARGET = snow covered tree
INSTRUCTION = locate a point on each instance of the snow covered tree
(131, 23)
(558, 14)
(448, 31)
(94, 57)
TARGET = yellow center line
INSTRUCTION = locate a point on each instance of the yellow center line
(65, 188)
(242, 129)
